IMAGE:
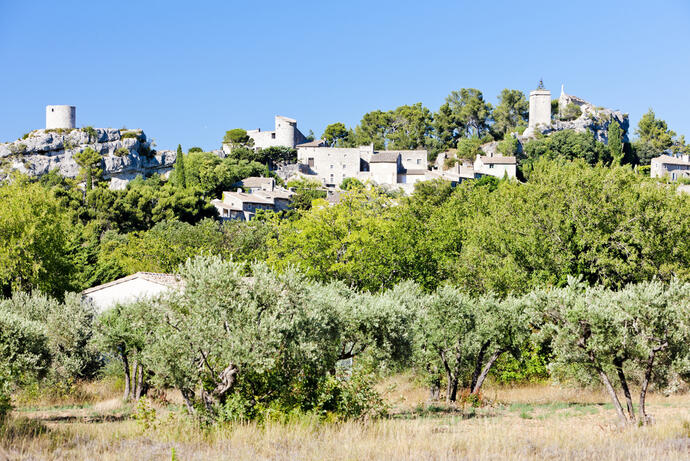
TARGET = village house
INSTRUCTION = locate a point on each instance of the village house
(332, 165)
(253, 194)
(672, 167)
(285, 134)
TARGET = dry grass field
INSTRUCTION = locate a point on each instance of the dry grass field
(539, 422)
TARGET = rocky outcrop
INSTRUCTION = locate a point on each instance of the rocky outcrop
(125, 153)
(585, 118)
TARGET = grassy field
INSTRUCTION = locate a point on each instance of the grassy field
(540, 422)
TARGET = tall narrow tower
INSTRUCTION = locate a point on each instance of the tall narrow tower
(539, 107)
(61, 117)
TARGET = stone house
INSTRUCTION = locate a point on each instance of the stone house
(673, 167)
(259, 194)
(331, 165)
(495, 165)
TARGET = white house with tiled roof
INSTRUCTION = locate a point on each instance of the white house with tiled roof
(496, 165)
(673, 167)
(135, 287)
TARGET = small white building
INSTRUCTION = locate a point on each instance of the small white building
(135, 287)
(495, 165)
(673, 167)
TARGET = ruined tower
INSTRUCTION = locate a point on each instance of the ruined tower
(61, 117)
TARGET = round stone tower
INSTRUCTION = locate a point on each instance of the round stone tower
(285, 131)
(61, 117)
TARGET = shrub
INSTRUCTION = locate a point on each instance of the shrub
(570, 112)
(91, 131)
(122, 152)
(18, 149)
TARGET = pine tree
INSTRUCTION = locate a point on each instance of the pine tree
(615, 143)
(179, 173)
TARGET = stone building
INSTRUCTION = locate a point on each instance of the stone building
(539, 109)
(253, 194)
(331, 165)
(673, 167)
(285, 134)
(495, 165)
(64, 117)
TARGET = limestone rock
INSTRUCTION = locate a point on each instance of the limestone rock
(44, 150)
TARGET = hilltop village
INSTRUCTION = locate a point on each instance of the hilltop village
(125, 154)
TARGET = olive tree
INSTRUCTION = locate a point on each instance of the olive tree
(68, 330)
(24, 354)
(600, 335)
(255, 337)
(463, 336)
(123, 332)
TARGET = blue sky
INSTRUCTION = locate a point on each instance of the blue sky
(186, 72)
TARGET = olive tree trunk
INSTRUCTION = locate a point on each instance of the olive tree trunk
(125, 363)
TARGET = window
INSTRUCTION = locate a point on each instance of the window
(331, 179)
(419, 161)
(491, 165)
(331, 167)
(273, 135)
(344, 166)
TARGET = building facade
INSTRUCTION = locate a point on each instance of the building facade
(672, 167)
(253, 194)
(331, 165)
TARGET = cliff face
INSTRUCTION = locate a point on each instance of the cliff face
(124, 153)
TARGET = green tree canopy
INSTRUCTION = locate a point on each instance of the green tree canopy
(511, 112)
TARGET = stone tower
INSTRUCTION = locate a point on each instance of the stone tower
(61, 117)
(285, 131)
(539, 108)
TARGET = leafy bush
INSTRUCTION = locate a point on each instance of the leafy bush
(122, 152)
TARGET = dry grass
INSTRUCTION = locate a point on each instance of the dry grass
(539, 422)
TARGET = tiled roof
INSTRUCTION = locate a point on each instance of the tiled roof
(314, 143)
(170, 280)
(254, 181)
(498, 159)
(670, 160)
(249, 198)
(385, 157)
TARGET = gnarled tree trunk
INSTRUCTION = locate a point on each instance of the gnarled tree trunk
(485, 371)
(125, 363)
(626, 390)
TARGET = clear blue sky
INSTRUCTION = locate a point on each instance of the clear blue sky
(186, 71)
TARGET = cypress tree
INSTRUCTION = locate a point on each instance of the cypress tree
(179, 173)
(615, 143)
